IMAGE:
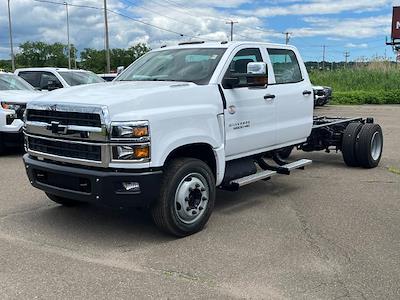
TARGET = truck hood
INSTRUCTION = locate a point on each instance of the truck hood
(18, 96)
(110, 94)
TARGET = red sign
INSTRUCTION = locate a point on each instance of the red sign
(396, 23)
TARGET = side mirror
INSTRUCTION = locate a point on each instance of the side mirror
(51, 85)
(256, 76)
(120, 69)
(257, 68)
(231, 83)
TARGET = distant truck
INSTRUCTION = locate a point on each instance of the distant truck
(322, 95)
(181, 122)
(49, 79)
(15, 93)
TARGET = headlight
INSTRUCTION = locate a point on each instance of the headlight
(11, 106)
(133, 141)
(130, 130)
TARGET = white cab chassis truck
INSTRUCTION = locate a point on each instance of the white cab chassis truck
(181, 122)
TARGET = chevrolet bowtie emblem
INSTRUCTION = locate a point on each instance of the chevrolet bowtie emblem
(56, 128)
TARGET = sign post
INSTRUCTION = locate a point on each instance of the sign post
(395, 38)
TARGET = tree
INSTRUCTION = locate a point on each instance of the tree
(40, 54)
(95, 60)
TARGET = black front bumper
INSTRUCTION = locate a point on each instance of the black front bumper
(102, 187)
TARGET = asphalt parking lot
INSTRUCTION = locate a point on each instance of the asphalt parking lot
(327, 232)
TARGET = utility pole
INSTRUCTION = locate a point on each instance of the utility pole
(231, 23)
(11, 40)
(323, 56)
(69, 45)
(287, 37)
(346, 57)
(107, 41)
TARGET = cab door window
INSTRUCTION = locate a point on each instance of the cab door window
(32, 77)
(47, 78)
(285, 65)
(239, 63)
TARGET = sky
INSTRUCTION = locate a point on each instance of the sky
(359, 26)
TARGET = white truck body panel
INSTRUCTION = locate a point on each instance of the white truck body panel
(185, 113)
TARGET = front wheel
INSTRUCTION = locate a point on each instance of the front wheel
(186, 199)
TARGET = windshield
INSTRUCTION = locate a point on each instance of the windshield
(190, 65)
(78, 78)
(13, 82)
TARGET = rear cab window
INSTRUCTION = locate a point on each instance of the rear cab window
(285, 65)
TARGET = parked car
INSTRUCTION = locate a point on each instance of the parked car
(181, 122)
(54, 78)
(322, 95)
(108, 76)
(15, 93)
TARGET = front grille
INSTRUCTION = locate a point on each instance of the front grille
(65, 149)
(64, 118)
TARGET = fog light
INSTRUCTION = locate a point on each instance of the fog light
(131, 186)
(131, 152)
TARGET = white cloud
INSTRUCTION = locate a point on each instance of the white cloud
(199, 19)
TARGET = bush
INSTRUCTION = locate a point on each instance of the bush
(367, 97)
(376, 83)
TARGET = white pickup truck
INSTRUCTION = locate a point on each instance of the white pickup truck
(181, 122)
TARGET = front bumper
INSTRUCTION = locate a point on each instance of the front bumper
(92, 185)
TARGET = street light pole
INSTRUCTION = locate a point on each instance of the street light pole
(11, 40)
(107, 41)
(232, 23)
(69, 45)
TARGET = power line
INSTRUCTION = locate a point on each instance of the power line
(122, 15)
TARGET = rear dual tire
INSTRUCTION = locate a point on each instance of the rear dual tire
(362, 145)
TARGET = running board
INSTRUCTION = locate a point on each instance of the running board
(267, 174)
(263, 175)
(300, 164)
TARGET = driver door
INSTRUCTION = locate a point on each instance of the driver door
(250, 117)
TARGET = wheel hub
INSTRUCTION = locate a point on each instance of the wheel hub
(191, 198)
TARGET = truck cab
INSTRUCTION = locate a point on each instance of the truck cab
(176, 125)
(48, 79)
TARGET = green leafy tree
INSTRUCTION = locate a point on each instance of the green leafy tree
(40, 54)
(95, 60)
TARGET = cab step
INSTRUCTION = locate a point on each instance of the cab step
(267, 174)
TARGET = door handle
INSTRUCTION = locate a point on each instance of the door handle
(269, 97)
(307, 93)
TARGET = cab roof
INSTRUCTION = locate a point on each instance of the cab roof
(223, 45)
(50, 69)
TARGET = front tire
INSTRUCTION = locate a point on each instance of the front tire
(63, 201)
(369, 146)
(186, 199)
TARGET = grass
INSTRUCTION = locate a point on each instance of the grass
(394, 170)
(376, 83)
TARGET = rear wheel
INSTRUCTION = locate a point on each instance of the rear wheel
(186, 197)
(63, 201)
(369, 146)
(349, 144)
